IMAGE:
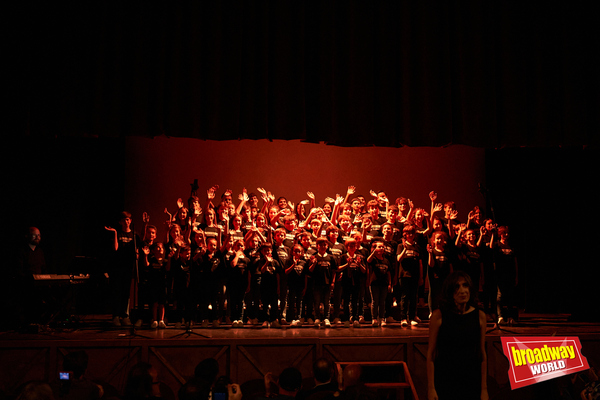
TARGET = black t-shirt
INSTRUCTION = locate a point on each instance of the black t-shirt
(239, 272)
(336, 250)
(212, 267)
(126, 250)
(281, 254)
(411, 260)
(296, 276)
(441, 265)
(352, 274)
(380, 269)
(323, 271)
(506, 264)
(269, 275)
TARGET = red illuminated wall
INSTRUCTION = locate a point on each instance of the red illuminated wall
(160, 170)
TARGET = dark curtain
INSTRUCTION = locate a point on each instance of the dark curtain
(349, 73)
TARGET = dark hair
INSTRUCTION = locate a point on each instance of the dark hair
(409, 229)
(290, 379)
(139, 382)
(194, 389)
(322, 370)
(322, 239)
(76, 361)
(449, 288)
(36, 390)
(207, 369)
(265, 245)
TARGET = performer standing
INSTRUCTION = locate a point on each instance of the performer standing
(122, 270)
(30, 259)
(456, 358)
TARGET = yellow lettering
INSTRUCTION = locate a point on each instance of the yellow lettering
(523, 356)
(554, 353)
(571, 352)
(538, 355)
(563, 352)
(530, 356)
(516, 356)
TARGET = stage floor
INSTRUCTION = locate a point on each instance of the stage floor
(247, 354)
(99, 328)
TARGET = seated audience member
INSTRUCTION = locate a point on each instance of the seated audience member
(142, 383)
(77, 387)
(194, 389)
(352, 385)
(197, 389)
(323, 375)
(207, 370)
(287, 385)
(36, 391)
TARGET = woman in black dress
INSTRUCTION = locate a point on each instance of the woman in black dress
(456, 358)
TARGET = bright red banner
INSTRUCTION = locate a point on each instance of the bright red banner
(537, 359)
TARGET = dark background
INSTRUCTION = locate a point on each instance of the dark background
(516, 80)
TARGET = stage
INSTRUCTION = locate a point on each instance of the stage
(246, 354)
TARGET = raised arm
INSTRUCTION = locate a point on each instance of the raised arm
(145, 219)
(116, 241)
(243, 197)
(311, 196)
(336, 209)
(351, 190)
(461, 229)
(210, 196)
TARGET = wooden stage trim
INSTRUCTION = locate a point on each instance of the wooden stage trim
(247, 354)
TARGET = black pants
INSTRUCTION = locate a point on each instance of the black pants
(409, 288)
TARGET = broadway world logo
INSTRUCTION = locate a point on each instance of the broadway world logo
(537, 359)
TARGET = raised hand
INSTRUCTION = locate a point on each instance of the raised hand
(453, 214)
(351, 190)
(433, 196)
(170, 216)
(372, 192)
(210, 193)
(438, 207)
(179, 203)
(145, 217)
(310, 195)
(329, 200)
